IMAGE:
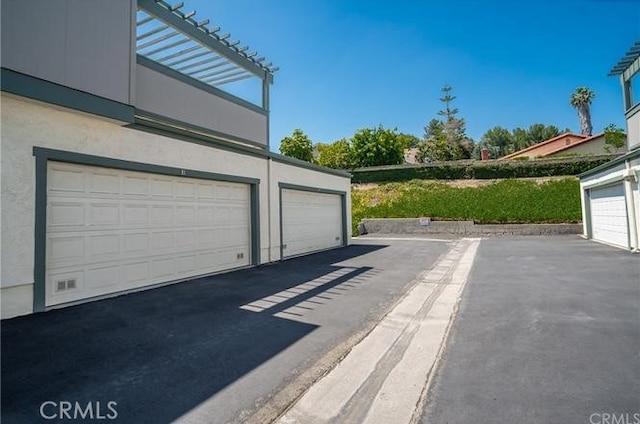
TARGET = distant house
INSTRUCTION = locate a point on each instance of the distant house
(567, 143)
(611, 192)
(410, 156)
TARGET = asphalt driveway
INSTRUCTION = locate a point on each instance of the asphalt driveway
(210, 350)
(548, 331)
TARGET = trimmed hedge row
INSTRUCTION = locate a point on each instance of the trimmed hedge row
(461, 170)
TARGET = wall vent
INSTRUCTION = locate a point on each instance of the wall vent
(64, 285)
(240, 256)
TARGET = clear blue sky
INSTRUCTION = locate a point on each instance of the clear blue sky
(350, 64)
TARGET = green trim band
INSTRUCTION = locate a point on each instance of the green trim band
(84, 159)
(211, 141)
(311, 189)
(38, 89)
(303, 164)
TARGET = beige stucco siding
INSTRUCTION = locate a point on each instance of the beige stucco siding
(591, 147)
(27, 123)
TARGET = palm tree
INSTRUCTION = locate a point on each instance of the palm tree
(581, 100)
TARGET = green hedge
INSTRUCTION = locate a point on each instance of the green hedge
(460, 170)
(505, 201)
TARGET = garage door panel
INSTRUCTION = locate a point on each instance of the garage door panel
(66, 179)
(311, 221)
(609, 215)
(133, 186)
(151, 230)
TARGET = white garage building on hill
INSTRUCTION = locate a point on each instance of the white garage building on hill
(134, 155)
(610, 192)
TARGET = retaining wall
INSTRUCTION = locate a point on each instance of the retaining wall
(426, 226)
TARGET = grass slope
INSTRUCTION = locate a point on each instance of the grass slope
(505, 201)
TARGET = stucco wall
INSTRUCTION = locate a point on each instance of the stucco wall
(27, 123)
(591, 147)
(550, 147)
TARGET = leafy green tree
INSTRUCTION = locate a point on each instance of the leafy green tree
(377, 146)
(434, 146)
(542, 132)
(409, 141)
(501, 142)
(338, 155)
(445, 138)
(454, 128)
(498, 140)
(614, 138)
(298, 146)
(581, 100)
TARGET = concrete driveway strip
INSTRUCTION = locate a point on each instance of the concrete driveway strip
(548, 331)
(235, 347)
(383, 378)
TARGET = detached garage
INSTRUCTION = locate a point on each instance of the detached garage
(610, 193)
(608, 208)
(147, 162)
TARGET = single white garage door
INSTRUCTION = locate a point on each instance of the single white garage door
(310, 221)
(112, 230)
(609, 215)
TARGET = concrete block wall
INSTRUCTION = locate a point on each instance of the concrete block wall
(424, 226)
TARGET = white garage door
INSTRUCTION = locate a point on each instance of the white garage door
(310, 221)
(609, 215)
(112, 230)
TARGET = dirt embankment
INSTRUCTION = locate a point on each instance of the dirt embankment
(466, 183)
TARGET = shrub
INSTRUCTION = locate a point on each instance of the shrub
(480, 170)
(506, 201)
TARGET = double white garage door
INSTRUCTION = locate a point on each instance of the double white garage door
(111, 230)
(609, 221)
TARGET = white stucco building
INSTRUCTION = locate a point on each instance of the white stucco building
(127, 162)
(610, 193)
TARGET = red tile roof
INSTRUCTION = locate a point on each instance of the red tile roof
(581, 139)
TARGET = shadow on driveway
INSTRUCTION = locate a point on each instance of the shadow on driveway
(158, 353)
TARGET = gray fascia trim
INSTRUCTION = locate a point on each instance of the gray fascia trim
(190, 129)
(311, 166)
(281, 222)
(46, 91)
(193, 138)
(310, 189)
(161, 13)
(345, 230)
(84, 159)
(40, 237)
(158, 67)
(172, 132)
(628, 156)
(255, 224)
